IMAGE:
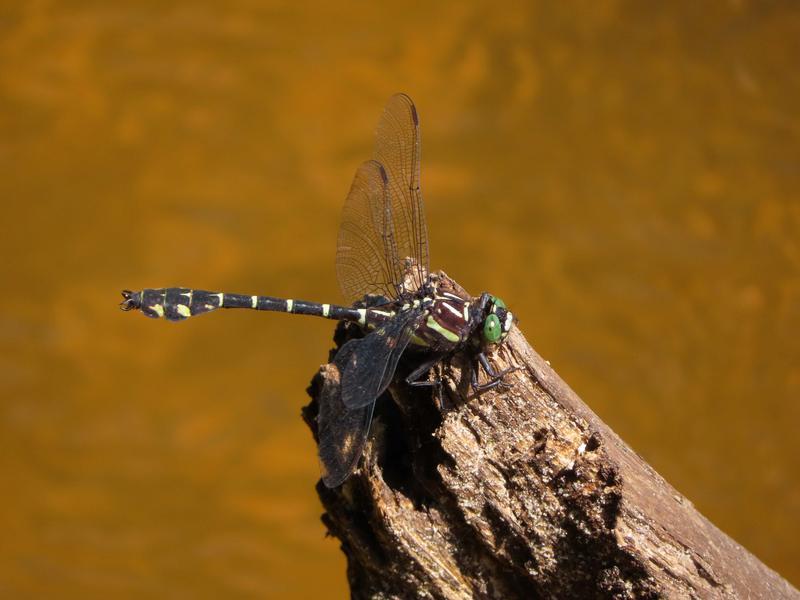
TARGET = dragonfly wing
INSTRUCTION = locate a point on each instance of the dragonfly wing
(368, 371)
(398, 148)
(342, 431)
(366, 253)
(383, 238)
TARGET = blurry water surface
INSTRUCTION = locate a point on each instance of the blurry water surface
(625, 176)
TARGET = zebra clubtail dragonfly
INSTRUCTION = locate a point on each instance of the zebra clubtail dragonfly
(382, 255)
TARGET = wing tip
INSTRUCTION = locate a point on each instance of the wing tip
(406, 99)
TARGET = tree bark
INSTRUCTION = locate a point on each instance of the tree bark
(519, 492)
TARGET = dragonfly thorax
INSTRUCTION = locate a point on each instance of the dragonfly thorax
(447, 322)
(453, 318)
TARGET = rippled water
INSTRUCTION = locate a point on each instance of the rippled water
(626, 177)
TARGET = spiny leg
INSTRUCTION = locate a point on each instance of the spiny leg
(495, 378)
(414, 378)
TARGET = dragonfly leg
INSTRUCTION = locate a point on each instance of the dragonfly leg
(414, 379)
(495, 378)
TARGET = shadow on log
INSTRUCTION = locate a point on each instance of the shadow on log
(520, 493)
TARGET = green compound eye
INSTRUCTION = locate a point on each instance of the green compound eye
(491, 329)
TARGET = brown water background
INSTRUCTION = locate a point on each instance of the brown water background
(625, 175)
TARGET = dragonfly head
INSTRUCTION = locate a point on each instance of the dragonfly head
(497, 323)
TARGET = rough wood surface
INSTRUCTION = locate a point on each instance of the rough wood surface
(520, 493)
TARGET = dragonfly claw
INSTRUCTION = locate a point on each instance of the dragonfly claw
(132, 300)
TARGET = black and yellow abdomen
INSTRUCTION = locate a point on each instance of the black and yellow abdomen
(178, 304)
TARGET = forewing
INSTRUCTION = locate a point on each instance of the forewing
(342, 432)
(369, 370)
(398, 149)
(366, 256)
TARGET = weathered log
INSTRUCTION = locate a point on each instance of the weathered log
(520, 492)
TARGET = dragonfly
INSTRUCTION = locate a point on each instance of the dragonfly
(382, 265)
